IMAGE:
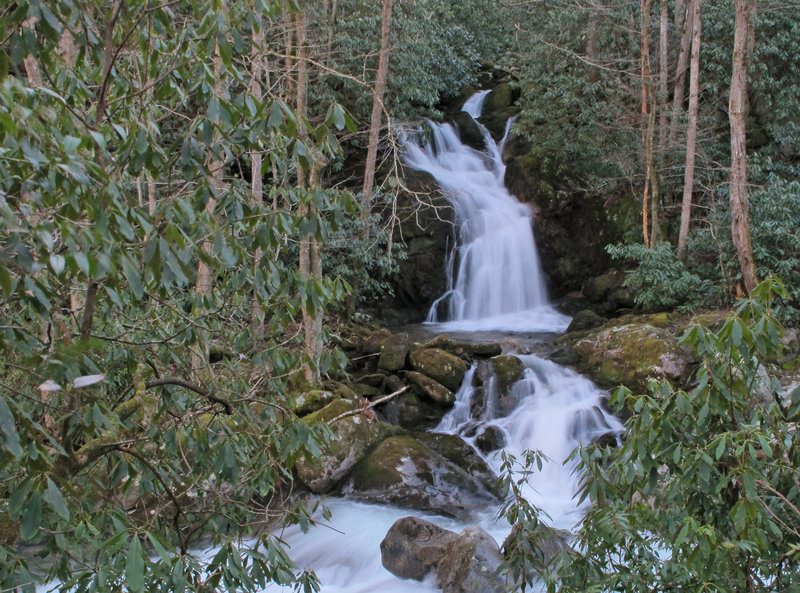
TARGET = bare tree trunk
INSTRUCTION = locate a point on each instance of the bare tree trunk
(310, 265)
(680, 70)
(256, 161)
(647, 143)
(377, 106)
(204, 283)
(737, 110)
(691, 134)
(655, 233)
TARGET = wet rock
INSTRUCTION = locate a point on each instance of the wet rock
(471, 564)
(507, 371)
(403, 471)
(456, 450)
(372, 379)
(433, 390)
(544, 542)
(393, 355)
(464, 350)
(413, 547)
(438, 364)
(500, 98)
(630, 354)
(353, 437)
(491, 439)
(469, 131)
(411, 411)
(585, 320)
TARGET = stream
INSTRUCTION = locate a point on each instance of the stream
(495, 289)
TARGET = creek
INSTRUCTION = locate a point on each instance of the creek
(495, 287)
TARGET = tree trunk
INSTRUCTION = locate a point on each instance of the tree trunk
(377, 107)
(691, 133)
(647, 143)
(30, 62)
(256, 161)
(737, 110)
(680, 70)
(310, 265)
(204, 283)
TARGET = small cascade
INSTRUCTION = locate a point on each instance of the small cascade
(494, 279)
(551, 410)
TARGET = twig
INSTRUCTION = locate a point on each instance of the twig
(377, 402)
(191, 386)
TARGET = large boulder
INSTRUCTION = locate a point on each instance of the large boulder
(353, 437)
(413, 547)
(543, 543)
(507, 370)
(465, 350)
(469, 131)
(440, 365)
(405, 472)
(311, 401)
(633, 353)
(471, 564)
(394, 354)
(433, 390)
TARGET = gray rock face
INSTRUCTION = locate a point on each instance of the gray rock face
(471, 564)
(413, 547)
(431, 389)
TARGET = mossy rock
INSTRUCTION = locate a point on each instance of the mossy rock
(500, 98)
(405, 472)
(432, 389)
(463, 350)
(353, 437)
(394, 355)
(496, 121)
(585, 320)
(311, 401)
(632, 354)
(440, 365)
(507, 371)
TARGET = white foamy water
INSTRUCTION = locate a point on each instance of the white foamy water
(552, 410)
(494, 279)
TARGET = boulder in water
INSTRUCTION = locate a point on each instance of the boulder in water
(507, 370)
(353, 437)
(438, 364)
(405, 472)
(434, 390)
(471, 564)
(633, 353)
(413, 547)
(490, 439)
(464, 350)
(469, 131)
(544, 543)
(585, 320)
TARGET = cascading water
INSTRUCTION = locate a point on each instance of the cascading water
(551, 410)
(494, 279)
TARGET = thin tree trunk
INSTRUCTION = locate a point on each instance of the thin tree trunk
(646, 127)
(655, 214)
(680, 70)
(691, 134)
(377, 107)
(204, 284)
(256, 185)
(310, 267)
(737, 110)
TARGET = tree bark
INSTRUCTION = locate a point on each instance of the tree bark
(680, 70)
(691, 133)
(256, 162)
(30, 62)
(377, 107)
(737, 110)
(647, 143)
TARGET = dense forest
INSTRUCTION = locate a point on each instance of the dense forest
(200, 200)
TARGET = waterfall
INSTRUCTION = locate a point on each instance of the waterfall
(551, 409)
(494, 278)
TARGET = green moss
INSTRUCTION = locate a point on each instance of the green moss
(507, 370)
(379, 469)
(331, 411)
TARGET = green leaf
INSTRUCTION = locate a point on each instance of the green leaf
(133, 277)
(5, 281)
(134, 566)
(9, 430)
(54, 498)
(3, 65)
(31, 519)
